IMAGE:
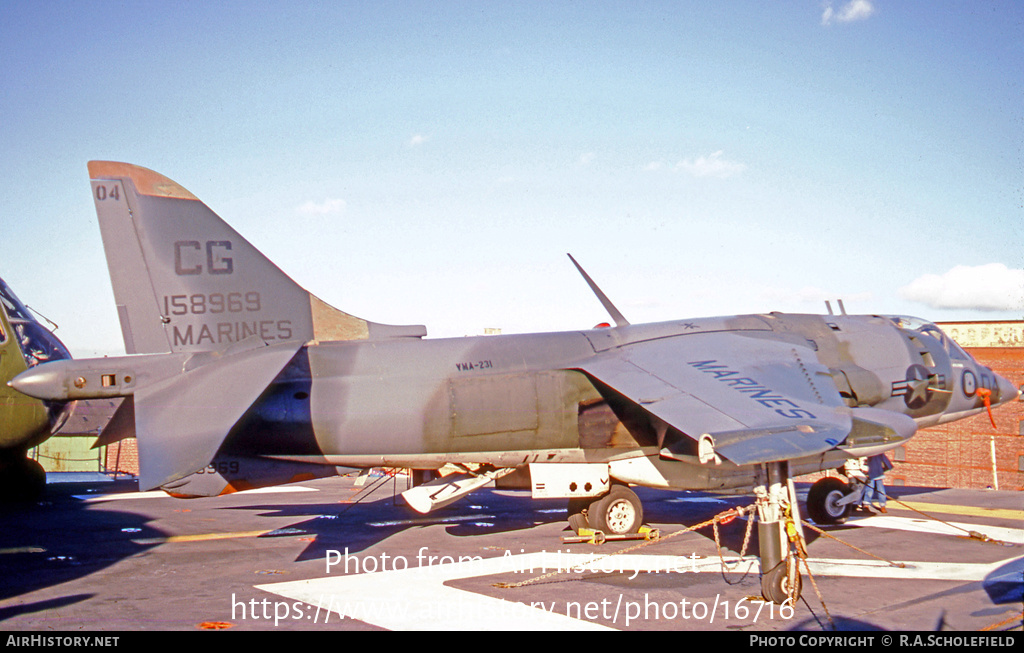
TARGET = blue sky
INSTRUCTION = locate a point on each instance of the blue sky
(432, 162)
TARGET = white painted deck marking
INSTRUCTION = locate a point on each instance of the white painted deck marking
(1011, 535)
(424, 602)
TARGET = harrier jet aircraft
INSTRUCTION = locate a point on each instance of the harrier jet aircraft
(238, 378)
(24, 422)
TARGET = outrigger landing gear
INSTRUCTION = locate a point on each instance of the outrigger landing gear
(618, 512)
(778, 515)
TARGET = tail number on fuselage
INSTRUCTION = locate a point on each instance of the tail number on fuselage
(220, 467)
(112, 192)
(213, 304)
(189, 260)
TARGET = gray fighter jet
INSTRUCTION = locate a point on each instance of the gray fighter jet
(238, 378)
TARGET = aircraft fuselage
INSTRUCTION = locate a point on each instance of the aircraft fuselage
(517, 399)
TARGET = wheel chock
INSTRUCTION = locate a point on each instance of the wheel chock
(588, 536)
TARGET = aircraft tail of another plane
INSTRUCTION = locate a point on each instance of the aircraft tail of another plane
(184, 280)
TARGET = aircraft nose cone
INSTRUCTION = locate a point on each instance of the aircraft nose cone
(1007, 391)
(42, 382)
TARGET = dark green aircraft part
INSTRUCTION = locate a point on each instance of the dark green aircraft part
(24, 422)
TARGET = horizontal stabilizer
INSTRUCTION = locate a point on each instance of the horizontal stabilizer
(182, 422)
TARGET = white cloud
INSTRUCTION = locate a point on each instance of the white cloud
(849, 12)
(992, 287)
(417, 140)
(587, 158)
(327, 207)
(712, 165)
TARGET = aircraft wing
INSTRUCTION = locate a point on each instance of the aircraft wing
(759, 399)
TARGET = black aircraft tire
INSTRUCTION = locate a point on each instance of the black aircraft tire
(24, 480)
(617, 513)
(823, 498)
(775, 584)
(35, 477)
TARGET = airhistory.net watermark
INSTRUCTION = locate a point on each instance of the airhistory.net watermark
(50, 641)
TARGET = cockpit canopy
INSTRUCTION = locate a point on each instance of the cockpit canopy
(37, 343)
(954, 350)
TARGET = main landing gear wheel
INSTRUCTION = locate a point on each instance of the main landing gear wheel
(775, 584)
(823, 501)
(617, 513)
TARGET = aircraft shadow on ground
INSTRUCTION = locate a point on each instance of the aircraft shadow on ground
(338, 526)
(42, 606)
(59, 539)
(360, 526)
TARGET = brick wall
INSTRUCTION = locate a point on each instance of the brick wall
(123, 457)
(85, 424)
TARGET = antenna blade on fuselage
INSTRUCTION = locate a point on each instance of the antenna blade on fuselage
(608, 306)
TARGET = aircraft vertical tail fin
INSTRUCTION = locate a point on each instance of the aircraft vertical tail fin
(184, 280)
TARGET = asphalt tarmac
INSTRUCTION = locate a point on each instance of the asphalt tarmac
(329, 555)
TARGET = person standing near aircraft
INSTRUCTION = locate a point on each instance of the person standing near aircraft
(874, 490)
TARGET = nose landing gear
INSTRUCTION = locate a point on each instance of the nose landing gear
(829, 501)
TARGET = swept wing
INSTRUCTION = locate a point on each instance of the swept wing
(740, 396)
